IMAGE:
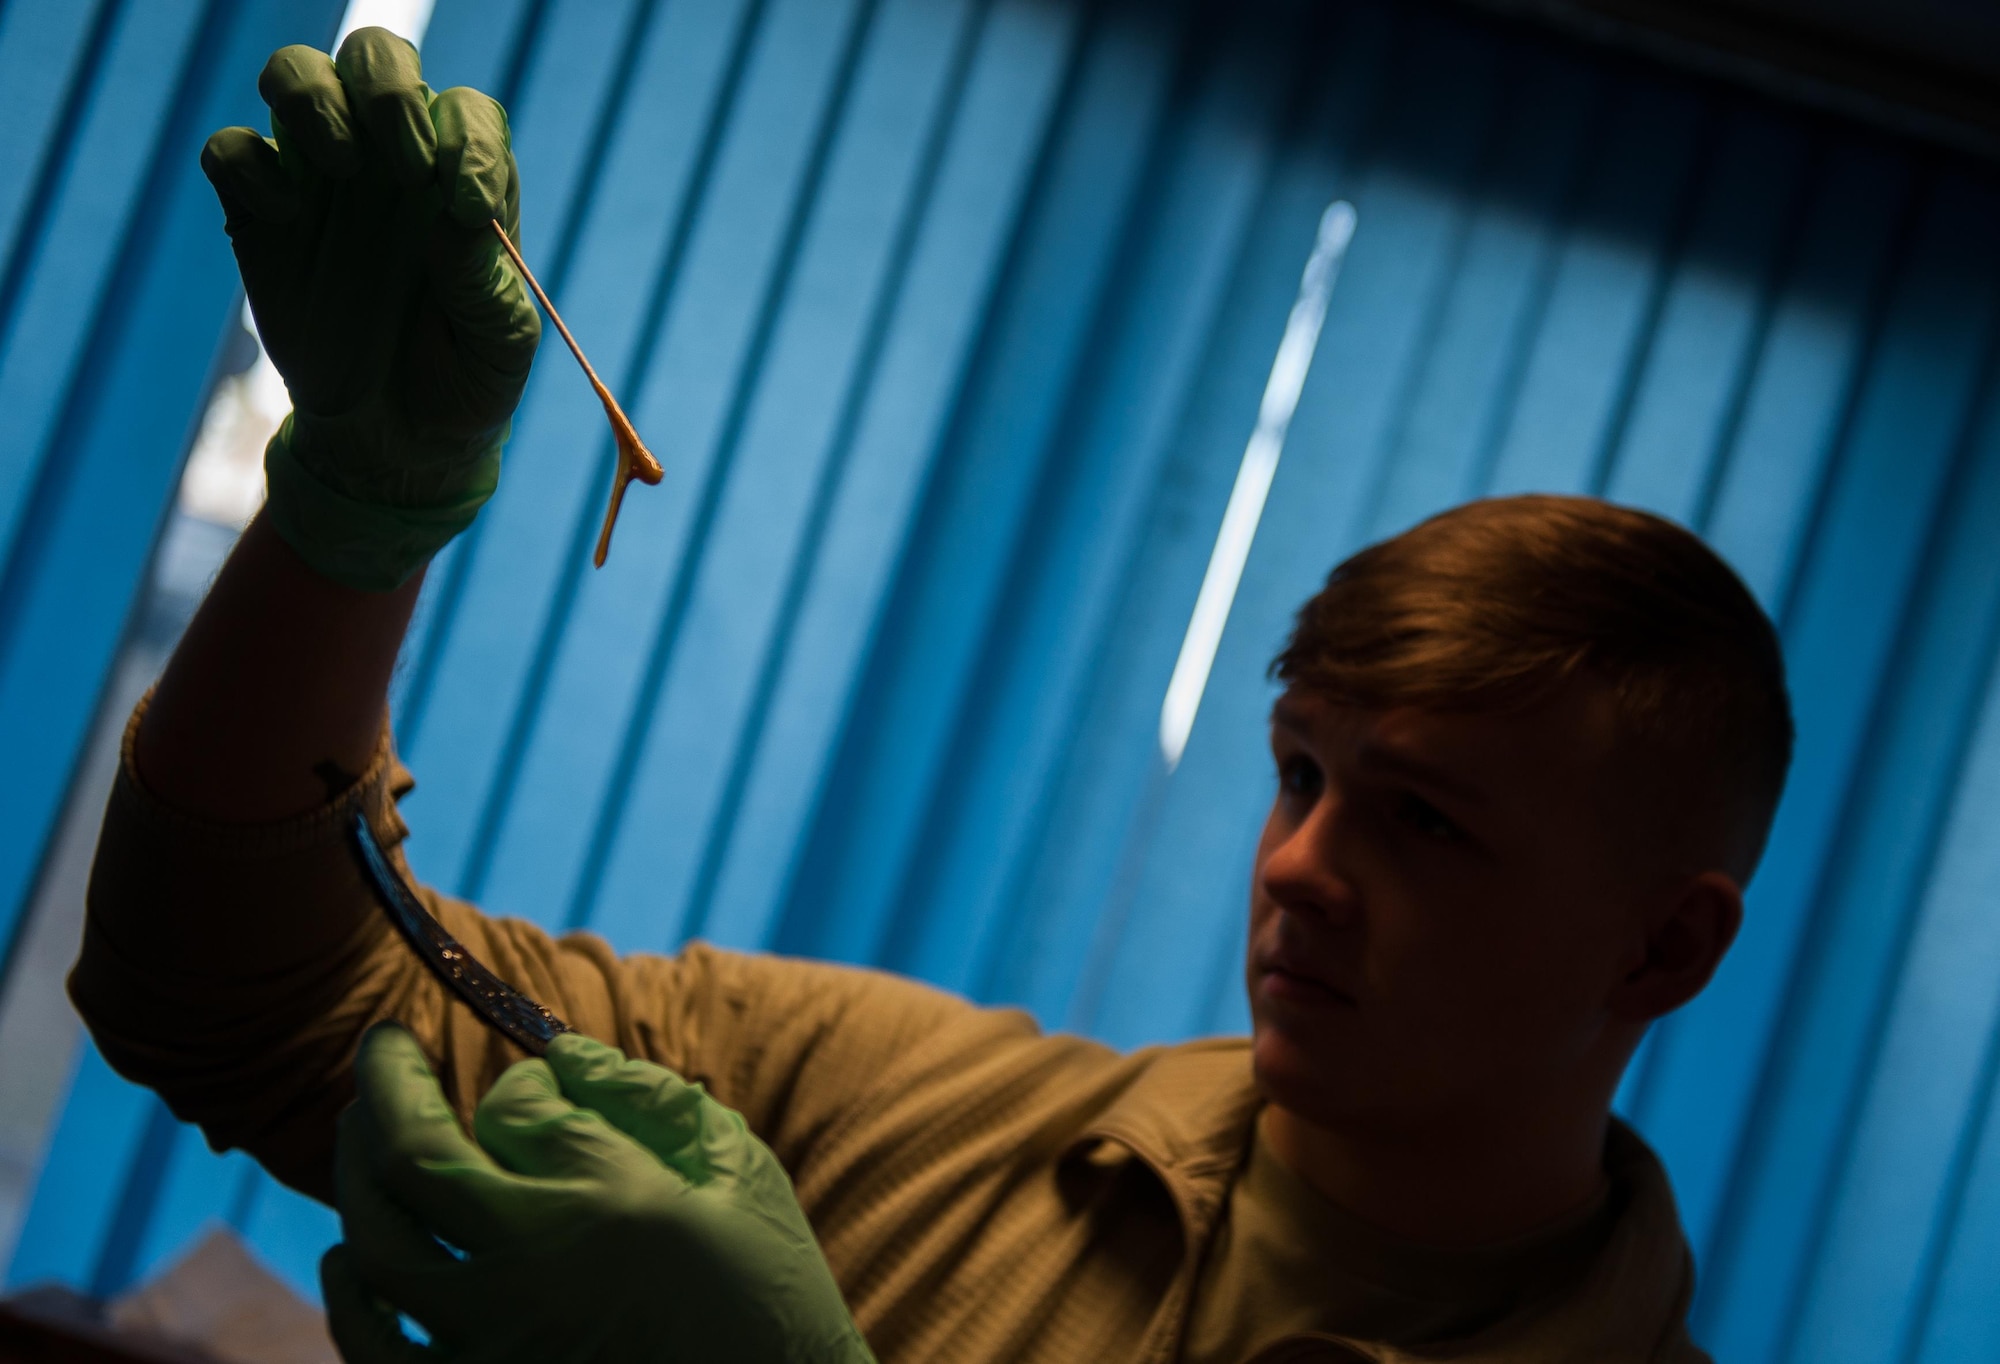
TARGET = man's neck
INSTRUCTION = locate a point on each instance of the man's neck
(1452, 1185)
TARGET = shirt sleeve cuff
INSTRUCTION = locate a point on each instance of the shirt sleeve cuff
(376, 791)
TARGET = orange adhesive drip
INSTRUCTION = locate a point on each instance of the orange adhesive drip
(634, 459)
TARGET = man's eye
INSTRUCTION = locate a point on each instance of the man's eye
(1299, 776)
(1427, 819)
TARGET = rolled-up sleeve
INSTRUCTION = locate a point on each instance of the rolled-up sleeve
(233, 969)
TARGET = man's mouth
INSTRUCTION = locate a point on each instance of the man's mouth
(1283, 980)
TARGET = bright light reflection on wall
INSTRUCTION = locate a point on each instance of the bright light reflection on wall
(407, 17)
(1253, 480)
(224, 479)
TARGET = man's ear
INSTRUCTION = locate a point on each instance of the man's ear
(1682, 948)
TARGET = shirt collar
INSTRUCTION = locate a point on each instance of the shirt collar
(1188, 1112)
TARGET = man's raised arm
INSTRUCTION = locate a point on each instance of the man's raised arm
(405, 337)
(276, 697)
(232, 954)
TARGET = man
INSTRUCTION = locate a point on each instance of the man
(1527, 755)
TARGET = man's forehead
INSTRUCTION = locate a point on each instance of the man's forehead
(1569, 734)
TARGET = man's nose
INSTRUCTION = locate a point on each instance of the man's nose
(1303, 871)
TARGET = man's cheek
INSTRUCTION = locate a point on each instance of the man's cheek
(1453, 1007)
(1494, 1015)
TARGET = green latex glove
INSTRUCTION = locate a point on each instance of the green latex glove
(402, 331)
(609, 1212)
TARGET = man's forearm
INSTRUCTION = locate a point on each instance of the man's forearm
(277, 690)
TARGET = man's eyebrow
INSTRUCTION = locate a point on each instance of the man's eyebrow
(1380, 758)
(1285, 715)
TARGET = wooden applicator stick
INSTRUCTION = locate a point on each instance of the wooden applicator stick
(634, 459)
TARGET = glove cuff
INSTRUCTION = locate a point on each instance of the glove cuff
(364, 545)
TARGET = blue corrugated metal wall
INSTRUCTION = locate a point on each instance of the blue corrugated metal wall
(950, 318)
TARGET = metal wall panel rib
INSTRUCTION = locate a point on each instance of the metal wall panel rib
(1070, 898)
(77, 213)
(71, 292)
(1951, 1315)
(782, 446)
(1078, 532)
(1910, 935)
(1763, 507)
(582, 78)
(633, 239)
(907, 708)
(1689, 391)
(1003, 109)
(1887, 837)
(598, 194)
(951, 317)
(712, 330)
(637, 231)
(987, 153)
(1844, 633)
(44, 51)
(1157, 979)
(515, 573)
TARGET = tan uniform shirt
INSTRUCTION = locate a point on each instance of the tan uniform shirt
(983, 1192)
(1277, 1233)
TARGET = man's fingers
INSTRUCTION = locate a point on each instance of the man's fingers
(399, 1101)
(396, 1254)
(408, 1142)
(651, 1104)
(510, 213)
(364, 1328)
(306, 96)
(483, 308)
(248, 177)
(386, 92)
(528, 1126)
(475, 163)
(483, 298)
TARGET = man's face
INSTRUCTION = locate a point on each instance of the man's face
(1438, 912)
